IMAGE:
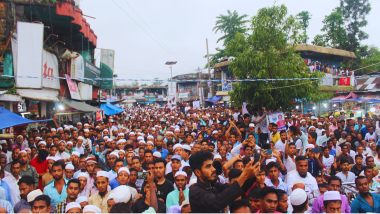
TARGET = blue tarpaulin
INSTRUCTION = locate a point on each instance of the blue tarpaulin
(213, 99)
(110, 109)
(10, 119)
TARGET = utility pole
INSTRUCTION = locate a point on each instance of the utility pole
(201, 91)
(208, 65)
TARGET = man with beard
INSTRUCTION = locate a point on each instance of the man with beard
(4, 149)
(365, 202)
(83, 178)
(176, 197)
(164, 186)
(81, 167)
(100, 198)
(72, 194)
(15, 152)
(56, 190)
(12, 181)
(159, 142)
(26, 185)
(311, 186)
(27, 169)
(207, 195)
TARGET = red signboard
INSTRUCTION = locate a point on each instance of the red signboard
(345, 81)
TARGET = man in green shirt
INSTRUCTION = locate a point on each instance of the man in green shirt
(176, 197)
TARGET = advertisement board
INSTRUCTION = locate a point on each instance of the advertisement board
(107, 60)
(49, 70)
(227, 86)
(83, 68)
(85, 91)
(74, 92)
(277, 118)
(29, 54)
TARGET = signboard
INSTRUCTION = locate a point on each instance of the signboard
(328, 80)
(49, 70)
(196, 104)
(138, 95)
(307, 61)
(277, 118)
(74, 91)
(218, 75)
(33, 106)
(21, 107)
(83, 68)
(85, 91)
(183, 94)
(107, 60)
(150, 97)
(345, 81)
(227, 86)
(99, 115)
(29, 54)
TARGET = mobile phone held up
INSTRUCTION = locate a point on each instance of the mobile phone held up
(269, 151)
(142, 175)
(257, 156)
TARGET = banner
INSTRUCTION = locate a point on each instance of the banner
(74, 92)
(29, 54)
(277, 118)
(196, 105)
(83, 68)
(345, 81)
(107, 60)
(227, 86)
(49, 70)
(99, 115)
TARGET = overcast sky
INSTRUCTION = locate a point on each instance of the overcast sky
(147, 33)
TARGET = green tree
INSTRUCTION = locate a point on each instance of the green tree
(373, 57)
(304, 18)
(354, 13)
(156, 82)
(229, 25)
(334, 28)
(135, 83)
(269, 53)
(320, 40)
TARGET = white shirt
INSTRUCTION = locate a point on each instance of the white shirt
(236, 115)
(328, 161)
(289, 164)
(13, 187)
(263, 124)
(280, 146)
(169, 166)
(63, 155)
(368, 135)
(310, 182)
(319, 132)
(80, 150)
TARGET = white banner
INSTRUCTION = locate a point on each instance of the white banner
(77, 68)
(74, 91)
(108, 58)
(49, 70)
(196, 105)
(85, 91)
(29, 54)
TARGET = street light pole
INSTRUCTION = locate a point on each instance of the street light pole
(171, 63)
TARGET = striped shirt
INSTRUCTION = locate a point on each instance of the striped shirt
(61, 207)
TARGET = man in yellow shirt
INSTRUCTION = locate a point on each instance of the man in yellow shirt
(275, 136)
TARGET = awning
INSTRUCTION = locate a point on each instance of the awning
(116, 102)
(213, 99)
(42, 95)
(80, 106)
(10, 119)
(110, 109)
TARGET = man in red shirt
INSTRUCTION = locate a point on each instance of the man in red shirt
(40, 163)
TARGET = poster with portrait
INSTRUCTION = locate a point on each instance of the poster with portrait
(277, 118)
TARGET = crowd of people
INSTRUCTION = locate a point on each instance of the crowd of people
(180, 160)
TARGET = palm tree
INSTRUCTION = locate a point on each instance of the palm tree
(229, 25)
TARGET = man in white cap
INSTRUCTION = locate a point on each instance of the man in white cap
(332, 202)
(73, 207)
(69, 171)
(100, 199)
(79, 147)
(176, 197)
(83, 179)
(299, 201)
(92, 209)
(72, 194)
(61, 150)
(82, 200)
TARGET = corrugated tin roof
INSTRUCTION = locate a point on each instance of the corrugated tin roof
(325, 50)
(369, 83)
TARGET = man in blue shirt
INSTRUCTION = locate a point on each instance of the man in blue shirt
(365, 202)
(4, 185)
(56, 189)
(159, 142)
(176, 197)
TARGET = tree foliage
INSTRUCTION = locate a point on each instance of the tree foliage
(373, 57)
(269, 53)
(135, 83)
(229, 25)
(304, 18)
(156, 82)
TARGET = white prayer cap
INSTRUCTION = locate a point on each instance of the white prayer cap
(3, 141)
(150, 136)
(311, 127)
(109, 139)
(214, 132)
(71, 126)
(132, 133)
(105, 130)
(26, 149)
(185, 202)
(51, 158)
(312, 117)
(22, 151)
(38, 138)
(76, 153)
(320, 124)
(217, 157)
(114, 153)
(86, 130)
(86, 124)
(140, 138)
(72, 205)
(193, 133)
(81, 199)
(169, 132)
(308, 146)
(176, 146)
(69, 166)
(142, 141)
(102, 173)
(157, 154)
(298, 197)
(110, 197)
(33, 194)
(251, 125)
(91, 209)
(331, 196)
(80, 137)
(106, 137)
(83, 174)
(302, 120)
(59, 128)
(180, 173)
(53, 129)
(79, 123)
(89, 159)
(69, 142)
(331, 116)
(125, 169)
(121, 134)
(177, 129)
(122, 150)
(121, 194)
(299, 181)
(41, 142)
(186, 147)
(150, 142)
(269, 160)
